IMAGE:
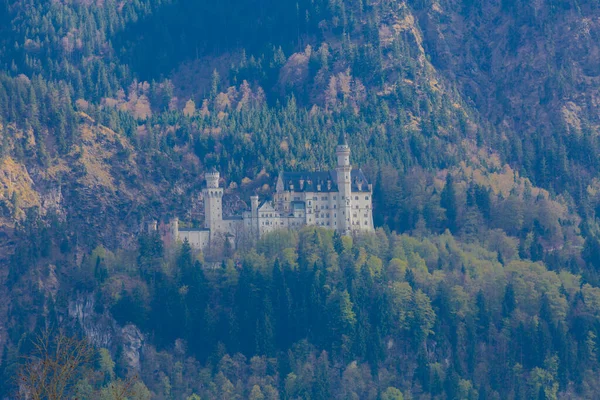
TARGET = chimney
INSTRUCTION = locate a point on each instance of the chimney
(328, 184)
(301, 183)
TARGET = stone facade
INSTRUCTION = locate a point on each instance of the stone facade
(340, 199)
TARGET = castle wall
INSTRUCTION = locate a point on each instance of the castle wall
(327, 208)
(323, 208)
(362, 212)
(233, 226)
(197, 239)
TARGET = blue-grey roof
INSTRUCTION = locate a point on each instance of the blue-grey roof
(312, 179)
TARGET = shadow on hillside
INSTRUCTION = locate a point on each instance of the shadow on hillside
(188, 29)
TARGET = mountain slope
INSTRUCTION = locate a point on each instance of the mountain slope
(476, 122)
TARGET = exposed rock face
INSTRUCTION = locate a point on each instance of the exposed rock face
(49, 284)
(103, 331)
(98, 328)
(52, 200)
(522, 63)
(132, 341)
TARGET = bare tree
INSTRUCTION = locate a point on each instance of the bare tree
(55, 365)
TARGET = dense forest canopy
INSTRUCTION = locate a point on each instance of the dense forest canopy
(477, 123)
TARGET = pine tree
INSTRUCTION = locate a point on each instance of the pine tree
(448, 201)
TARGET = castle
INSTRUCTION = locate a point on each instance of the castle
(340, 199)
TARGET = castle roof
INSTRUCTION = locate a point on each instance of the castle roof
(266, 205)
(310, 181)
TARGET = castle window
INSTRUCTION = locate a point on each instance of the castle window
(335, 206)
(355, 197)
(335, 197)
(366, 197)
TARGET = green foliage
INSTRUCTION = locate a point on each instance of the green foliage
(488, 288)
(392, 393)
(433, 299)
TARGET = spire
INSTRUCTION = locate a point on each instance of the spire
(213, 170)
(342, 139)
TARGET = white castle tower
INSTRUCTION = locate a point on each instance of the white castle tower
(254, 215)
(344, 182)
(213, 198)
(339, 199)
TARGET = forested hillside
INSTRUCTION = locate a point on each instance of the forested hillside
(477, 122)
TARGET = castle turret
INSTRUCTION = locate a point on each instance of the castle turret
(213, 207)
(212, 178)
(254, 213)
(344, 171)
(174, 230)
